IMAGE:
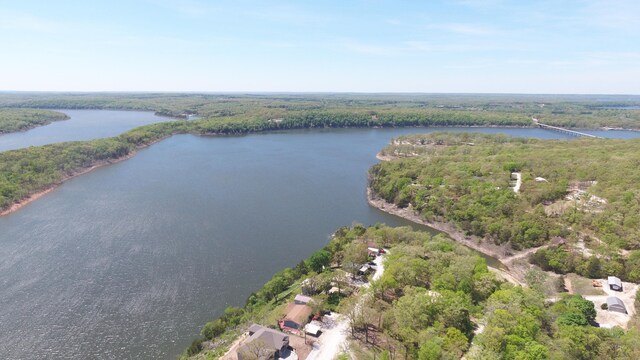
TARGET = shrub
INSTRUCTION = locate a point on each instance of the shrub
(213, 329)
(195, 347)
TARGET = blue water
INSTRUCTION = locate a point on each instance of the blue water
(82, 125)
(130, 260)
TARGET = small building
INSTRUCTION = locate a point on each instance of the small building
(296, 316)
(263, 343)
(614, 283)
(615, 304)
(302, 300)
(364, 269)
(312, 329)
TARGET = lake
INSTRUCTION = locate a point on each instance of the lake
(130, 260)
(81, 125)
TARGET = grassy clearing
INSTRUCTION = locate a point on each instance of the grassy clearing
(583, 286)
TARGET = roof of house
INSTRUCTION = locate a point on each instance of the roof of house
(612, 280)
(298, 313)
(303, 299)
(614, 301)
(255, 328)
(272, 339)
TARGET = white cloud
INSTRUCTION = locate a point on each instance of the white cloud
(613, 58)
(394, 22)
(413, 47)
(478, 3)
(619, 14)
(11, 20)
(464, 29)
(278, 44)
(371, 49)
(290, 15)
(188, 8)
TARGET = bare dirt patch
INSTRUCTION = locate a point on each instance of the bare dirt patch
(335, 329)
(609, 319)
(302, 347)
(578, 197)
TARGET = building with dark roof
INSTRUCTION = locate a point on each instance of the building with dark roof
(263, 343)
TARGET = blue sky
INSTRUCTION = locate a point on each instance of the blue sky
(491, 46)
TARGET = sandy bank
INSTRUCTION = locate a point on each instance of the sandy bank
(381, 157)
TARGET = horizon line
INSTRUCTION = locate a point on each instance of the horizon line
(248, 92)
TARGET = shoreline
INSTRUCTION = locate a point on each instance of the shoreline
(444, 227)
(501, 253)
(48, 122)
(507, 271)
(37, 195)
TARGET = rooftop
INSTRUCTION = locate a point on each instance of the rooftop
(298, 313)
(302, 299)
(612, 280)
(269, 338)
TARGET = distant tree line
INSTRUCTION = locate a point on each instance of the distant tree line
(12, 120)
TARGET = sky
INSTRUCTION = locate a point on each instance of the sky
(430, 46)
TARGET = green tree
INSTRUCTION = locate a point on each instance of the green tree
(430, 350)
(319, 260)
(354, 256)
(455, 342)
(213, 329)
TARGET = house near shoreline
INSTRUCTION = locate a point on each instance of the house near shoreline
(263, 343)
(302, 299)
(616, 305)
(614, 283)
(295, 317)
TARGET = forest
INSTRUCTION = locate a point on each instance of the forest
(435, 300)
(27, 171)
(585, 192)
(580, 111)
(12, 120)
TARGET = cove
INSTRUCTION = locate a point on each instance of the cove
(81, 125)
(130, 260)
